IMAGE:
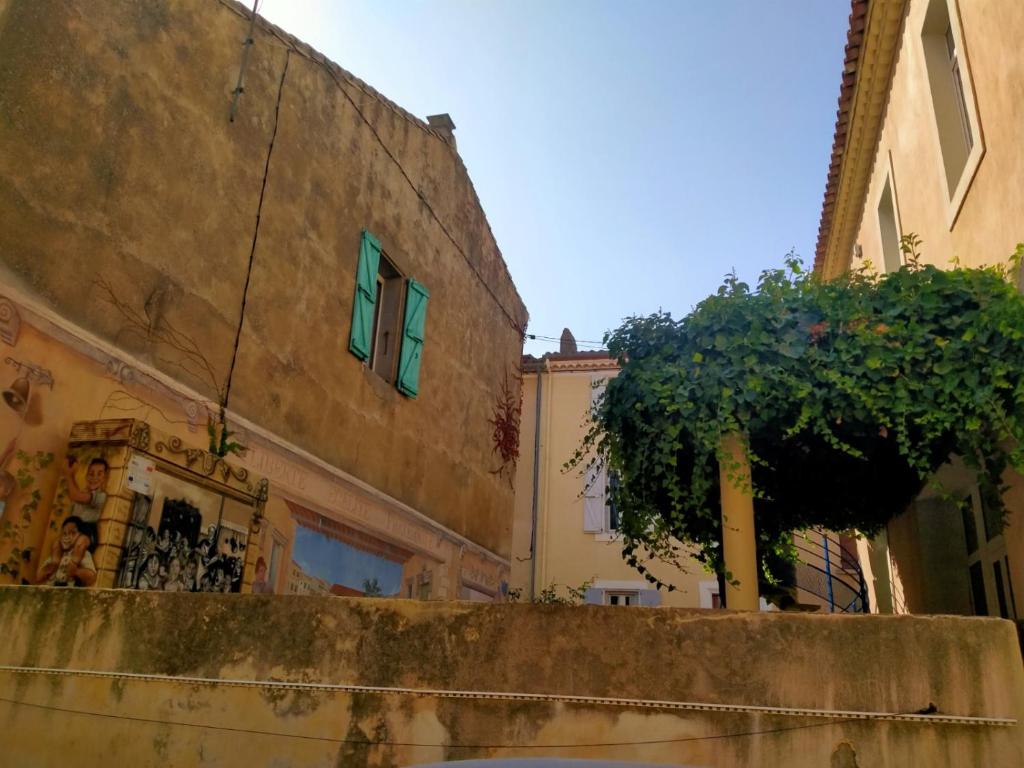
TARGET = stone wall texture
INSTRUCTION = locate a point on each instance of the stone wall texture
(118, 163)
(959, 666)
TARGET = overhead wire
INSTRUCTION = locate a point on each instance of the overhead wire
(389, 743)
(554, 339)
(515, 323)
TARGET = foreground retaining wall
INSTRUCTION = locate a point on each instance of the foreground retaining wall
(961, 666)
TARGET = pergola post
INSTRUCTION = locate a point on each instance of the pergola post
(738, 540)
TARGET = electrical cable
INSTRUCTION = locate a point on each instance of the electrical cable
(513, 322)
(386, 743)
(255, 234)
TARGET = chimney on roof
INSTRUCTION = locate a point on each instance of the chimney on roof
(444, 125)
(567, 344)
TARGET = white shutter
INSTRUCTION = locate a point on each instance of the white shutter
(594, 509)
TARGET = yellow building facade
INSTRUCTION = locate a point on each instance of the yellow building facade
(928, 141)
(174, 250)
(565, 531)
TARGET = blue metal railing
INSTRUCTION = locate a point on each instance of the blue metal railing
(831, 574)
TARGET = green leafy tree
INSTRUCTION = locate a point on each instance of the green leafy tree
(852, 393)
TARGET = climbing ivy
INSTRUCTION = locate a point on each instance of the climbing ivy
(13, 528)
(852, 393)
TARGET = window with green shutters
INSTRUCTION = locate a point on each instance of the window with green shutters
(378, 338)
(413, 328)
(365, 302)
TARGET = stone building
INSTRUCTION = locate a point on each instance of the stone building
(928, 141)
(194, 225)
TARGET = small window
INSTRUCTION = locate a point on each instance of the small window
(951, 100)
(276, 554)
(888, 229)
(386, 316)
(423, 586)
(970, 526)
(612, 522)
(978, 597)
(848, 559)
(631, 597)
(997, 570)
(600, 514)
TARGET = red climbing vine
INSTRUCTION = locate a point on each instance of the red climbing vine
(507, 410)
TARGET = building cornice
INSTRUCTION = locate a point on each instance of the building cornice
(873, 43)
(126, 368)
(587, 361)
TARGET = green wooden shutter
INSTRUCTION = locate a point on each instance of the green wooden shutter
(361, 341)
(416, 296)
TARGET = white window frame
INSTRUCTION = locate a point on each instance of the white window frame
(955, 196)
(595, 481)
(887, 197)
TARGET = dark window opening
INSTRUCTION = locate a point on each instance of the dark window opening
(386, 318)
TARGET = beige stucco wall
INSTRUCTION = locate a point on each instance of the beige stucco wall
(988, 226)
(117, 161)
(985, 229)
(567, 555)
(964, 666)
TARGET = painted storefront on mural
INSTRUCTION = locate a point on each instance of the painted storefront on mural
(86, 501)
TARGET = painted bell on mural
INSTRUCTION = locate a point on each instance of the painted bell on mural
(17, 396)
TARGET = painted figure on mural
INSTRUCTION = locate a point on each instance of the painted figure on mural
(260, 585)
(150, 577)
(87, 505)
(191, 574)
(164, 544)
(175, 577)
(63, 568)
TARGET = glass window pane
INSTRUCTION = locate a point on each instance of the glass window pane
(997, 570)
(978, 590)
(970, 529)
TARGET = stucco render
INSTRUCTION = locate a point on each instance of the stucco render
(567, 555)
(988, 225)
(915, 568)
(962, 666)
(118, 162)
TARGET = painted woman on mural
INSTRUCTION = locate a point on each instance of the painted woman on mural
(175, 577)
(150, 577)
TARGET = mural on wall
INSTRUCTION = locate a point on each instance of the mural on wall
(20, 470)
(325, 564)
(21, 489)
(184, 538)
(67, 560)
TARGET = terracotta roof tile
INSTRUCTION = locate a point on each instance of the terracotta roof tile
(854, 38)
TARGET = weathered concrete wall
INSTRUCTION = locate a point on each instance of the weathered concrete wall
(117, 161)
(964, 666)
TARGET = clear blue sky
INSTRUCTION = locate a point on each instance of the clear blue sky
(627, 154)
